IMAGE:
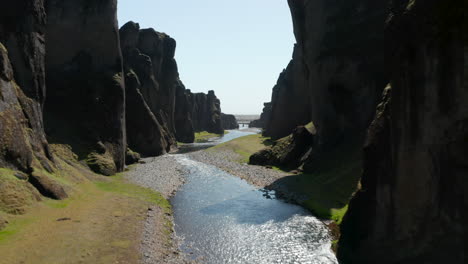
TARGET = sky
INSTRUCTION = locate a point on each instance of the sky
(237, 48)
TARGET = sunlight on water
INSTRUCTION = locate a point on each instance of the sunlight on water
(223, 219)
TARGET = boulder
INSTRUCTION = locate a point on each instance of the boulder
(132, 157)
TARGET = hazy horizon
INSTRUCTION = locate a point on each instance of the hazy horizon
(236, 48)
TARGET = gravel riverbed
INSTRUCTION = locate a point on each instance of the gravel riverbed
(164, 175)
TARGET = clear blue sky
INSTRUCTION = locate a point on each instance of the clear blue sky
(235, 47)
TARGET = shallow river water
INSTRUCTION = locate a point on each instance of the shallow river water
(223, 219)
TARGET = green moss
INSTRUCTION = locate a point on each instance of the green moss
(117, 184)
(14, 226)
(15, 195)
(101, 163)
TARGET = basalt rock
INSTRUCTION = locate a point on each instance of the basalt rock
(23, 145)
(206, 113)
(132, 157)
(185, 132)
(85, 98)
(336, 75)
(229, 122)
(264, 117)
(22, 86)
(152, 80)
(289, 152)
(412, 207)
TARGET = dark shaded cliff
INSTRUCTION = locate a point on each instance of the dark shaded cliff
(159, 108)
(264, 117)
(412, 207)
(334, 80)
(85, 91)
(206, 113)
(23, 145)
(148, 120)
(229, 122)
(335, 77)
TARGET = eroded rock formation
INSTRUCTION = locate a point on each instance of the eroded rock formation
(206, 113)
(148, 120)
(229, 122)
(23, 145)
(264, 117)
(335, 77)
(85, 91)
(412, 207)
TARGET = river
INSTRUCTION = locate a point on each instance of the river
(223, 219)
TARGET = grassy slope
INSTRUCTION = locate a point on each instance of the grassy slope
(244, 146)
(104, 222)
(204, 136)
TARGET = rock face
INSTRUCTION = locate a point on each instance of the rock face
(159, 108)
(288, 152)
(206, 113)
(22, 92)
(264, 117)
(413, 206)
(229, 122)
(149, 116)
(85, 98)
(22, 86)
(335, 78)
(185, 132)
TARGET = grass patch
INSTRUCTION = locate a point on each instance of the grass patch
(330, 182)
(118, 184)
(204, 136)
(14, 226)
(244, 146)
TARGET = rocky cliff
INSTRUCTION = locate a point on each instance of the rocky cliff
(334, 80)
(335, 77)
(229, 122)
(206, 113)
(160, 110)
(23, 145)
(85, 91)
(264, 117)
(412, 207)
(149, 116)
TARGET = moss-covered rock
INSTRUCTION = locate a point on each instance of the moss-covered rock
(47, 186)
(102, 163)
(131, 157)
(15, 195)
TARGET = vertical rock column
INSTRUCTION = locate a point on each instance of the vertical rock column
(413, 204)
(85, 104)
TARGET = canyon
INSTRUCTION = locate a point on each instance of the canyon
(368, 122)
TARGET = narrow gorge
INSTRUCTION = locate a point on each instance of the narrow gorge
(106, 156)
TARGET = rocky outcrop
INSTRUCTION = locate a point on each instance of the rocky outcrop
(85, 91)
(229, 122)
(23, 145)
(148, 120)
(412, 207)
(160, 110)
(206, 113)
(264, 117)
(289, 152)
(185, 132)
(335, 77)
